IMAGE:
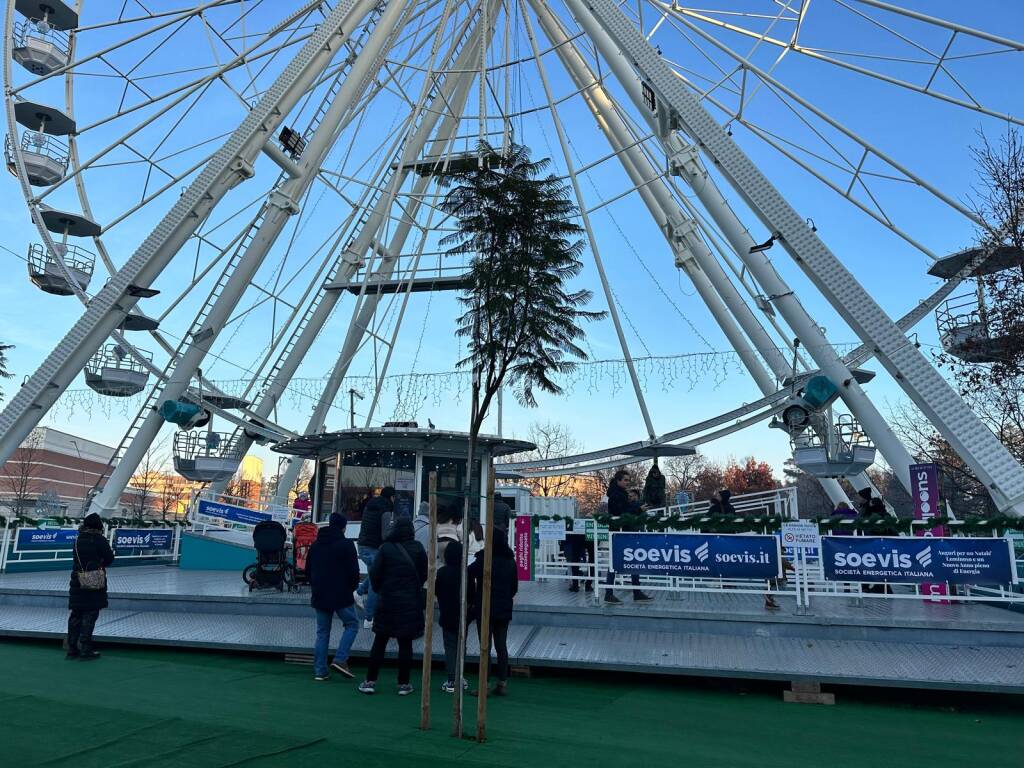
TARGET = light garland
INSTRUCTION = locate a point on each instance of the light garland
(414, 391)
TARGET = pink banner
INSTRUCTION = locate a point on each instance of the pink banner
(924, 480)
(524, 547)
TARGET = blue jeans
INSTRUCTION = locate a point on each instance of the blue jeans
(323, 637)
(368, 555)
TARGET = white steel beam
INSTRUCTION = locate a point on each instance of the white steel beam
(449, 103)
(282, 203)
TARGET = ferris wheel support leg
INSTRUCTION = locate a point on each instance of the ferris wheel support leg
(692, 255)
(281, 205)
(450, 102)
(231, 164)
(598, 21)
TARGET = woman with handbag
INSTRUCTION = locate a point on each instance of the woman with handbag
(87, 594)
(397, 575)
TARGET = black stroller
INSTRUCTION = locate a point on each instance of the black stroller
(271, 568)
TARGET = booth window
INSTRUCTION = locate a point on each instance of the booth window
(365, 473)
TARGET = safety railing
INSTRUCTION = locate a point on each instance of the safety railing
(29, 545)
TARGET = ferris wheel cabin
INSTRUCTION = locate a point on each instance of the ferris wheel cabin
(45, 155)
(45, 272)
(113, 372)
(353, 465)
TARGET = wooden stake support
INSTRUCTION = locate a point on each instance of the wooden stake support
(485, 613)
(428, 631)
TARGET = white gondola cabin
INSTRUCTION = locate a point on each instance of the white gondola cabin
(114, 372)
(206, 457)
(45, 272)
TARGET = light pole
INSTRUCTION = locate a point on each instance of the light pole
(352, 395)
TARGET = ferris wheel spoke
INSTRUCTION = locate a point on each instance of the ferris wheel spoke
(688, 17)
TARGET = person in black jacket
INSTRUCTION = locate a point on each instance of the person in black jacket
(447, 586)
(504, 586)
(370, 537)
(397, 575)
(92, 552)
(333, 570)
(621, 517)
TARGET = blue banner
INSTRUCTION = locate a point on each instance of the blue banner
(46, 538)
(697, 555)
(144, 538)
(917, 560)
(231, 513)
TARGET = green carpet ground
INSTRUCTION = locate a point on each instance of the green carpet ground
(142, 707)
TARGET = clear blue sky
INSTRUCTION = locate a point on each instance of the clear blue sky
(662, 315)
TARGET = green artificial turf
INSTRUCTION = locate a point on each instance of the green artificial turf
(141, 707)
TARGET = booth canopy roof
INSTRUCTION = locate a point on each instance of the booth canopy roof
(397, 439)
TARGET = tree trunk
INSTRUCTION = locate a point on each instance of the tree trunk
(428, 635)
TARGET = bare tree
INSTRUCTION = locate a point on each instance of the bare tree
(170, 494)
(4, 373)
(683, 473)
(553, 440)
(144, 485)
(20, 474)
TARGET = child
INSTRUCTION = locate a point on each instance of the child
(447, 585)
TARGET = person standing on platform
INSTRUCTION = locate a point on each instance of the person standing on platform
(504, 586)
(502, 513)
(301, 506)
(87, 592)
(621, 517)
(421, 525)
(371, 535)
(398, 574)
(654, 488)
(447, 586)
(333, 570)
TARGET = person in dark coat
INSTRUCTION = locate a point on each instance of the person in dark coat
(622, 517)
(447, 586)
(502, 513)
(720, 504)
(333, 570)
(370, 537)
(504, 586)
(397, 575)
(92, 552)
(654, 488)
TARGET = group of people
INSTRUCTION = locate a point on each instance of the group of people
(394, 549)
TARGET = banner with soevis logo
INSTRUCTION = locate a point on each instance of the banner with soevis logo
(918, 560)
(697, 555)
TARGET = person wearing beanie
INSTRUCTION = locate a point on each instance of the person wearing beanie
(333, 570)
(91, 552)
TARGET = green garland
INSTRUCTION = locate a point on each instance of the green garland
(865, 525)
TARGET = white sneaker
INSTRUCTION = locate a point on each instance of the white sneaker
(405, 689)
(367, 624)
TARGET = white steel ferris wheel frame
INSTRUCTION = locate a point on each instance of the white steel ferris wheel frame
(681, 128)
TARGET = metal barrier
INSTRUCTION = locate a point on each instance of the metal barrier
(23, 545)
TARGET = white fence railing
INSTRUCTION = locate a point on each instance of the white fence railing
(803, 578)
(42, 546)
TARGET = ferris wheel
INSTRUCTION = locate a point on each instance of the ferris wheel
(215, 181)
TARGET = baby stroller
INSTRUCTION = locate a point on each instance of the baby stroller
(303, 536)
(271, 568)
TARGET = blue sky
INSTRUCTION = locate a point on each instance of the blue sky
(662, 315)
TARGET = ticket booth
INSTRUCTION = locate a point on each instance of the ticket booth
(353, 465)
